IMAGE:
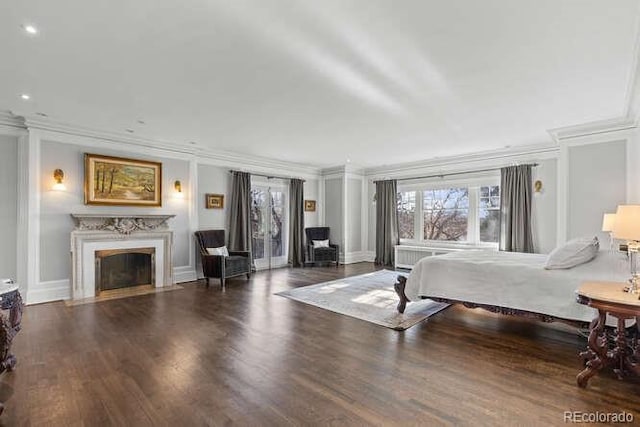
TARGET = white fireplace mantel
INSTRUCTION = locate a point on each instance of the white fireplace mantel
(123, 224)
(95, 232)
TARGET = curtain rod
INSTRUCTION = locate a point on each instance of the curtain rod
(442, 175)
(268, 176)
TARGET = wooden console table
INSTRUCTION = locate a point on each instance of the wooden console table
(619, 351)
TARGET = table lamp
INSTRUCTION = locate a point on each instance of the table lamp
(608, 220)
(627, 227)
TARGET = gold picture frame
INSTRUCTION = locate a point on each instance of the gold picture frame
(214, 201)
(309, 205)
(118, 181)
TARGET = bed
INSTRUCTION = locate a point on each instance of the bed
(509, 283)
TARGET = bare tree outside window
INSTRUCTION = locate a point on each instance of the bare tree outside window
(260, 215)
(446, 213)
(258, 225)
(406, 214)
(489, 213)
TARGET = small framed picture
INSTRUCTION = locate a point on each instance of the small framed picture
(309, 205)
(215, 201)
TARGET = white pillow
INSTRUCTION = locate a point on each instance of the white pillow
(320, 243)
(574, 252)
(222, 250)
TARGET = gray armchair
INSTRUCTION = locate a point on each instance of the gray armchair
(218, 266)
(315, 255)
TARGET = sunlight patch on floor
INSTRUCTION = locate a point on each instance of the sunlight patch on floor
(329, 289)
(379, 297)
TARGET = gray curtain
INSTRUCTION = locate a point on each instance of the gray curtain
(240, 213)
(296, 223)
(515, 209)
(387, 234)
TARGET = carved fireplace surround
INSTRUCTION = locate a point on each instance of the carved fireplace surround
(99, 232)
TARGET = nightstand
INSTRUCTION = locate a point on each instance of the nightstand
(623, 355)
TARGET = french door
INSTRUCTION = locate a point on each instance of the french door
(269, 225)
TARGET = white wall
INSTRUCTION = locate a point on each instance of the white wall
(545, 206)
(56, 223)
(212, 179)
(354, 215)
(596, 184)
(312, 192)
(8, 205)
(333, 214)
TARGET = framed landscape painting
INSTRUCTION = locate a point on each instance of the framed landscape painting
(121, 182)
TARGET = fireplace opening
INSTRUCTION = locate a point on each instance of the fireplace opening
(124, 268)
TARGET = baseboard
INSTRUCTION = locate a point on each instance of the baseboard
(354, 257)
(184, 274)
(54, 290)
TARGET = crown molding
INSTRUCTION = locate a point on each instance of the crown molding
(48, 125)
(563, 134)
(476, 160)
(257, 164)
(343, 170)
(11, 123)
(70, 133)
(630, 117)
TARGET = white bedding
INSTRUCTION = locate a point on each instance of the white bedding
(513, 280)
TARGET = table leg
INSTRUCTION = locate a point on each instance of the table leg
(621, 352)
(595, 356)
(632, 358)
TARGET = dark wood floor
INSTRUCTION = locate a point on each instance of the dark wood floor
(202, 357)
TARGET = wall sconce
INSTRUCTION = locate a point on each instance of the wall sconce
(177, 186)
(58, 176)
(537, 188)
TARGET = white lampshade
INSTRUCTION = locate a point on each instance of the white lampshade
(627, 223)
(608, 221)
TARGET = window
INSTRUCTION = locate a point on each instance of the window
(489, 213)
(406, 214)
(462, 213)
(446, 214)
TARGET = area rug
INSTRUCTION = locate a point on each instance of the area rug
(367, 297)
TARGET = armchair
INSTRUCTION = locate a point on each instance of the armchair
(219, 266)
(324, 254)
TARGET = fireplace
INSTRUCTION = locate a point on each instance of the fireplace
(124, 268)
(147, 237)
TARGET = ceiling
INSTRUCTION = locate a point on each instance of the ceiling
(371, 81)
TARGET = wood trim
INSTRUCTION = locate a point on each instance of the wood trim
(511, 311)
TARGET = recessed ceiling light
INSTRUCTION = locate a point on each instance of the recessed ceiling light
(25, 97)
(141, 122)
(348, 160)
(30, 29)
